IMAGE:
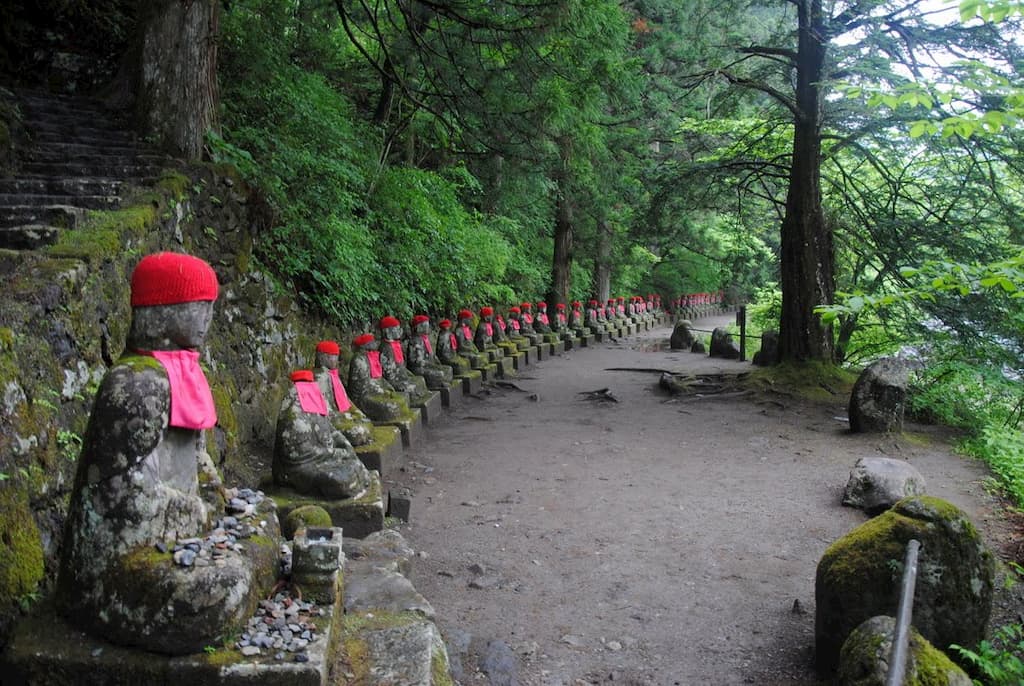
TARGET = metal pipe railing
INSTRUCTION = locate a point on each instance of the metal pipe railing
(900, 640)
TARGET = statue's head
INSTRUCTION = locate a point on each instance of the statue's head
(444, 325)
(542, 307)
(327, 353)
(172, 298)
(365, 341)
(560, 307)
(390, 328)
(486, 313)
(465, 317)
(513, 313)
(421, 324)
(577, 305)
(526, 307)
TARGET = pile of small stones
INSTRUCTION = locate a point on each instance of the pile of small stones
(239, 523)
(284, 625)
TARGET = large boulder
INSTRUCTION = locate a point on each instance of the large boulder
(768, 355)
(682, 335)
(722, 345)
(879, 397)
(859, 577)
(864, 660)
(878, 483)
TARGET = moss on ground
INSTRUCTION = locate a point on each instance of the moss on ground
(816, 381)
(21, 546)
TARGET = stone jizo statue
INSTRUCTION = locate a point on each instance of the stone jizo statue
(344, 414)
(366, 383)
(467, 347)
(542, 324)
(515, 328)
(448, 349)
(392, 359)
(311, 456)
(144, 481)
(421, 359)
(484, 336)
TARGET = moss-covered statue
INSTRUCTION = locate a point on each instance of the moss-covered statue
(448, 349)
(593, 320)
(392, 360)
(421, 359)
(526, 321)
(484, 336)
(515, 329)
(343, 413)
(542, 323)
(368, 388)
(311, 456)
(464, 337)
(576, 319)
(145, 481)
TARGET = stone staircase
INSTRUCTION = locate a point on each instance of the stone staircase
(80, 157)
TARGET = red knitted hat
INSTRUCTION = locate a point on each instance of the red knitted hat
(169, 278)
(593, 302)
(540, 305)
(329, 347)
(302, 375)
(465, 314)
(515, 310)
(388, 322)
(560, 306)
(526, 306)
(362, 340)
(611, 300)
(419, 319)
(486, 311)
(622, 299)
(445, 323)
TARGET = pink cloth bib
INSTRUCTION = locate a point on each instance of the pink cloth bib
(311, 400)
(191, 399)
(501, 323)
(426, 343)
(466, 333)
(561, 318)
(396, 350)
(376, 371)
(489, 329)
(528, 318)
(543, 318)
(453, 342)
(340, 396)
(514, 323)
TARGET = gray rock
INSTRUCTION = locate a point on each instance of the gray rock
(384, 590)
(864, 660)
(500, 664)
(877, 483)
(458, 647)
(722, 345)
(404, 654)
(250, 651)
(682, 335)
(768, 355)
(385, 549)
(879, 397)
(698, 347)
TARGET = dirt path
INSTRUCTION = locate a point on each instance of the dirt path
(641, 542)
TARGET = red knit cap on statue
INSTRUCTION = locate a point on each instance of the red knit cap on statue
(445, 323)
(526, 306)
(388, 322)
(419, 319)
(169, 278)
(560, 306)
(486, 311)
(515, 310)
(328, 347)
(465, 314)
(362, 340)
(593, 302)
(302, 375)
(540, 305)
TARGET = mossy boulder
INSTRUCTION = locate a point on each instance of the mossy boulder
(859, 577)
(682, 337)
(303, 517)
(864, 660)
(21, 553)
(879, 397)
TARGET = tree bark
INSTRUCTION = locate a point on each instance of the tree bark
(807, 257)
(175, 73)
(561, 259)
(603, 263)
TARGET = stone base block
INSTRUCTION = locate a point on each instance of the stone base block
(490, 372)
(452, 396)
(558, 347)
(395, 649)
(600, 336)
(357, 517)
(471, 382)
(587, 340)
(430, 408)
(506, 367)
(630, 329)
(540, 352)
(494, 354)
(45, 650)
(411, 428)
(518, 361)
(385, 450)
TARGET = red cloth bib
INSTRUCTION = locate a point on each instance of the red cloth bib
(489, 329)
(376, 371)
(501, 323)
(396, 350)
(191, 399)
(453, 341)
(340, 396)
(528, 318)
(467, 334)
(514, 323)
(561, 318)
(310, 398)
(426, 343)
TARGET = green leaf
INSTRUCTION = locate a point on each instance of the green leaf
(918, 129)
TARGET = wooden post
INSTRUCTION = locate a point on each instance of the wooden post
(741, 320)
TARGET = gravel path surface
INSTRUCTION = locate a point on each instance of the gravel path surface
(567, 541)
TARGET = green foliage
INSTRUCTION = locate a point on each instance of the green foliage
(1000, 661)
(766, 309)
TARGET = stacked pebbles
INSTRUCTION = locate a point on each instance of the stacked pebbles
(283, 624)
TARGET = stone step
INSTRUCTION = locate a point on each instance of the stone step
(98, 138)
(92, 202)
(139, 172)
(61, 185)
(66, 216)
(28, 236)
(42, 104)
(68, 151)
(60, 155)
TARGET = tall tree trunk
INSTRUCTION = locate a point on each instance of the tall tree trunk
(176, 74)
(807, 261)
(603, 263)
(561, 260)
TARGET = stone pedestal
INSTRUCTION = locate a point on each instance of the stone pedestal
(558, 347)
(599, 336)
(586, 340)
(316, 564)
(452, 396)
(471, 382)
(506, 367)
(358, 517)
(411, 427)
(518, 361)
(384, 451)
(540, 351)
(430, 407)
(490, 372)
